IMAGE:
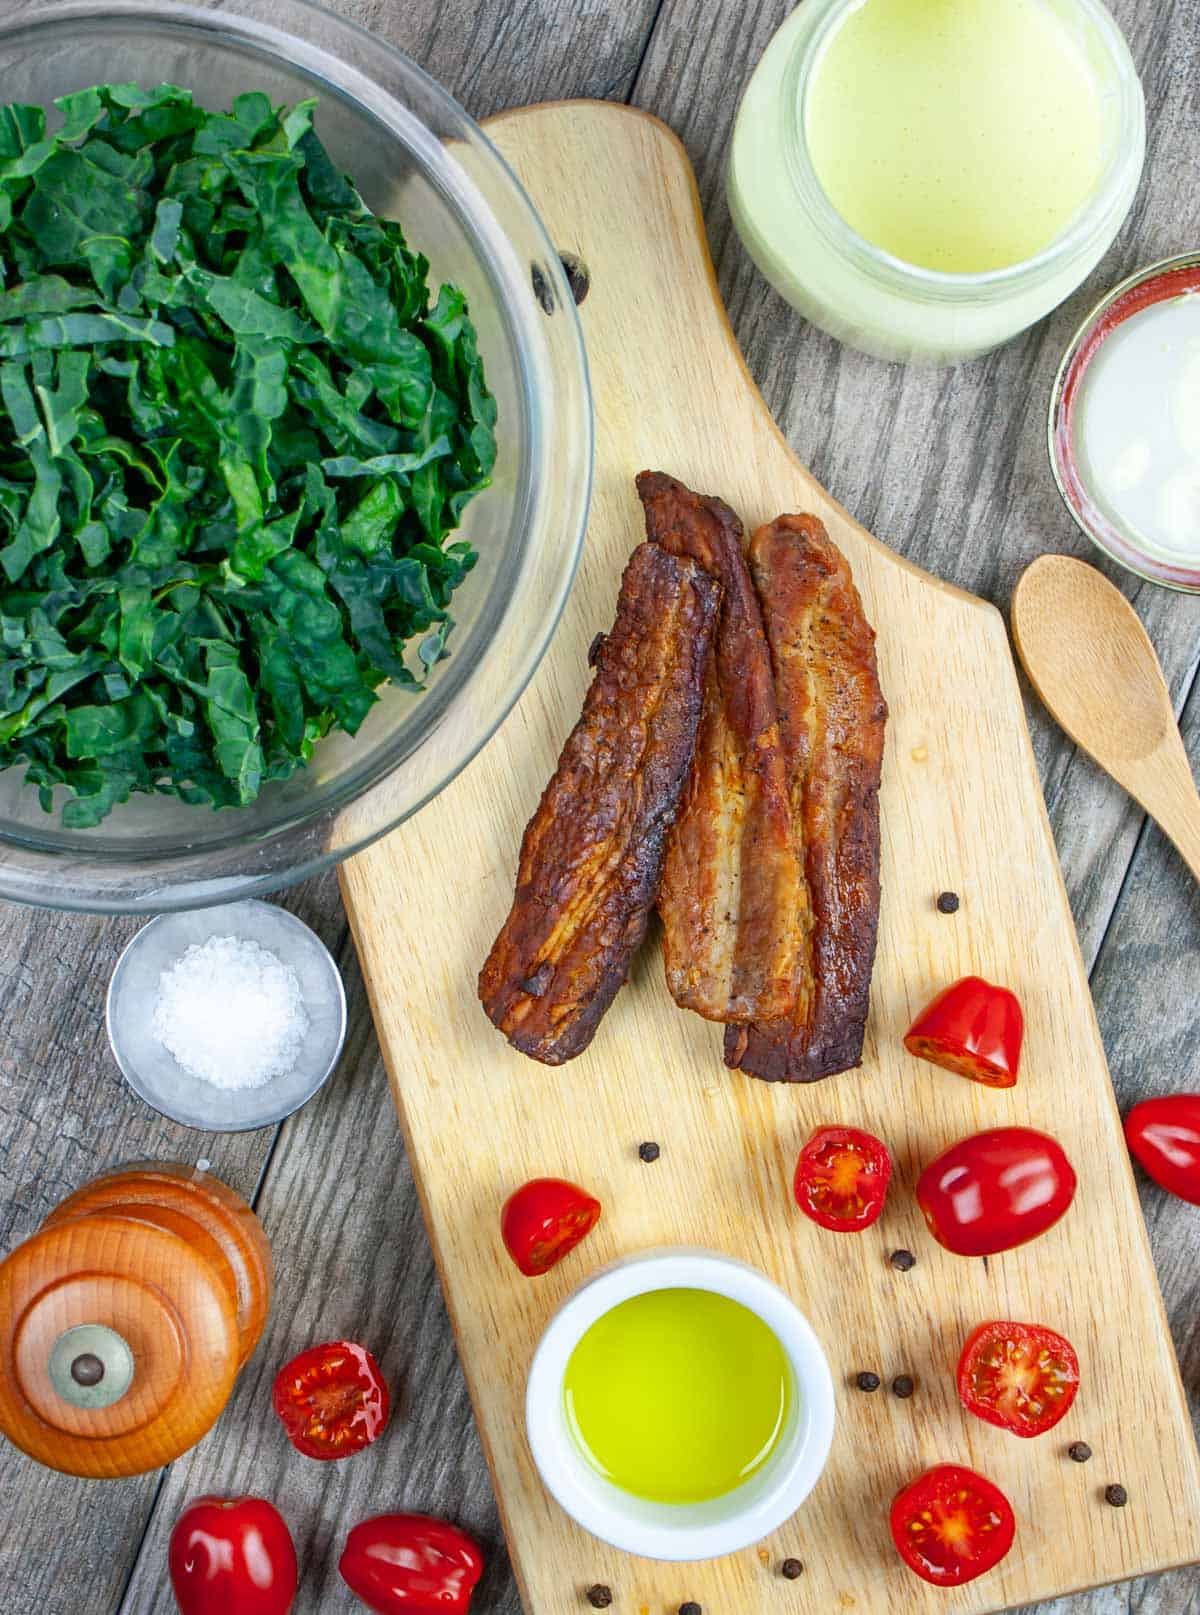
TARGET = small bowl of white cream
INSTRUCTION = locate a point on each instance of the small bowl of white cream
(1124, 426)
(226, 1018)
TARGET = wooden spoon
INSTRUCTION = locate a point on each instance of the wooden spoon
(1092, 663)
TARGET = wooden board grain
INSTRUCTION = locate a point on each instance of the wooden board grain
(961, 808)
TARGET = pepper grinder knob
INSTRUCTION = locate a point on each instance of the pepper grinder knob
(91, 1366)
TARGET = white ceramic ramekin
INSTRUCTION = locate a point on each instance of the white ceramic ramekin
(670, 1530)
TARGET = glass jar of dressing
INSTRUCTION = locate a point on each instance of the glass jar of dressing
(925, 178)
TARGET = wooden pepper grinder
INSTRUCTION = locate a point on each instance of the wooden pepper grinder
(125, 1319)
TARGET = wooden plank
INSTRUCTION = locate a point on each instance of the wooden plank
(730, 1142)
(66, 1115)
(498, 56)
(950, 467)
(1147, 987)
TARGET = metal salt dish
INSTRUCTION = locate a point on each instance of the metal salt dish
(153, 1072)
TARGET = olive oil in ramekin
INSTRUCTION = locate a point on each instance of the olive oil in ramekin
(678, 1395)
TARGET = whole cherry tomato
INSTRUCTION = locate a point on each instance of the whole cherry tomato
(332, 1399)
(1164, 1134)
(842, 1178)
(232, 1556)
(545, 1220)
(1019, 1376)
(951, 1525)
(972, 1028)
(995, 1190)
(409, 1564)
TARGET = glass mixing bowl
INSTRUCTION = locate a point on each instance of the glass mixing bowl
(416, 157)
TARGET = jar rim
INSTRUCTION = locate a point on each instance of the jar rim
(1088, 220)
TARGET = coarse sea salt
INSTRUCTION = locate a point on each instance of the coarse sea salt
(231, 1012)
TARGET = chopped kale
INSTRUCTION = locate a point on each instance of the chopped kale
(236, 432)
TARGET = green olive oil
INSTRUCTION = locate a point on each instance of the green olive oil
(678, 1396)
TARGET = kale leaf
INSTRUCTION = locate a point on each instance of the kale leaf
(236, 432)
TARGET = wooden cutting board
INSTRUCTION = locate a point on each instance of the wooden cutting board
(961, 808)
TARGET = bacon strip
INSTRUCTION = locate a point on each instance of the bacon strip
(591, 858)
(832, 715)
(734, 903)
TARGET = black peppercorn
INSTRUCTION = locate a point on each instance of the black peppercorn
(1116, 1495)
(903, 1261)
(867, 1381)
(947, 902)
(1079, 1452)
(649, 1151)
(902, 1386)
(791, 1570)
(690, 1609)
(599, 1596)
(594, 649)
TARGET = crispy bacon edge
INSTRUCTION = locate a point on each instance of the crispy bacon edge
(591, 857)
(734, 901)
(832, 719)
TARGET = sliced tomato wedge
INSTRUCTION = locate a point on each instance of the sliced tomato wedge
(973, 1029)
(1019, 1376)
(544, 1220)
(842, 1178)
(332, 1399)
(951, 1525)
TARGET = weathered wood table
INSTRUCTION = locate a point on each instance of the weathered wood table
(950, 468)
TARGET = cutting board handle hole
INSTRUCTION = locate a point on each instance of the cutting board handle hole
(579, 279)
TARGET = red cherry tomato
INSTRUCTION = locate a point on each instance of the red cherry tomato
(232, 1556)
(842, 1178)
(972, 1028)
(332, 1399)
(545, 1220)
(951, 1525)
(408, 1564)
(1019, 1376)
(1164, 1134)
(995, 1190)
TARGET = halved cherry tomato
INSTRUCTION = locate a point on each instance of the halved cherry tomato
(974, 1029)
(332, 1399)
(545, 1220)
(995, 1190)
(951, 1525)
(232, 1556)
(842, 1178)
(1164, 1134)
(1019, 1376)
